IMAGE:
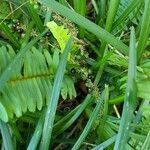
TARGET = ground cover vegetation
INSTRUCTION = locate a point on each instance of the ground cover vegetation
(75, 74)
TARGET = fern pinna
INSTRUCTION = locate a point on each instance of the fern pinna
(31, 83)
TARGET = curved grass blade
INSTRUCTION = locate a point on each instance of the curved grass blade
(146, 144)
(145, 30)
(80, 7)
(48, 16)
(113, 7)
(126, 13)
(12, 38)
(87, 100)
(65, 118)
(11, 67)
(37, 133)
(35, 17)
(95, 6)
(89, 124)
(28, 32)
(130, 98)
(8, 144)
(87, 24)
(106, 143)
(53, 100)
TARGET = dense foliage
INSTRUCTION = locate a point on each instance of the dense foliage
(75, 74)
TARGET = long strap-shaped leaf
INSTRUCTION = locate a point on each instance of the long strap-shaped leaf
(86, 101)
(145, 30)
(12, 38)
(130, 98)
(37, 133)
(6, 136)
(106, 143)
(146, 144)
(123, 17)
(91, 121)
(53, 100)
(87, 24)
(113, 7)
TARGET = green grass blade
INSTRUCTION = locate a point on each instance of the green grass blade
(58, 124)
(80, 7)
(48, 16)
(146, 144)
(95, 6)
(35, 17)
(130, 98)
(113, 7)
(12, 38)
(117, 100)
(102, 5)
(145, 30)
(28, 32)
(87, 24)
(125, 14)
(99, 74)
(22, 6)
(37, 133)
(7, 139)
(11, 67)
(82, 107)
(89, 124)
(53, 100)
(106, 143)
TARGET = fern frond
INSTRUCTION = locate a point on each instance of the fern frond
(31, 85)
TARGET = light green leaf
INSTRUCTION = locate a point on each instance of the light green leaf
(3, 114)
(61, 34)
